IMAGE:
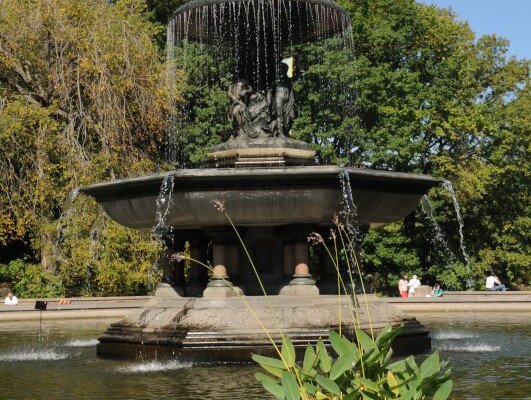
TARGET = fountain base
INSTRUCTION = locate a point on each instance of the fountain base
(225, 330)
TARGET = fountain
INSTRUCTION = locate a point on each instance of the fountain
(275, 195)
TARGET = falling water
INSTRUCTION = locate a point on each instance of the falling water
(448, 186)
(67, 208)
(441, 243)
(163, 202)
(161, 230)
(349, 217)
(94, 240)
(350, 211)
(252, 36)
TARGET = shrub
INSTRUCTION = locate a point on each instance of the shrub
(31, 280)
(361, 370)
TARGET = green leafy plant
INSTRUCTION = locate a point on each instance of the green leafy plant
(360, 369)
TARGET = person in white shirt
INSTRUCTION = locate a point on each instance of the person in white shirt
(11, 300)
(402, 286)
(493, 284)
(412, 285)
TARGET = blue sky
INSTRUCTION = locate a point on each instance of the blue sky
(508, 18)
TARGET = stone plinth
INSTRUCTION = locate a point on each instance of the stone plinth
(224, 329)
(261, 151)
(168, 290)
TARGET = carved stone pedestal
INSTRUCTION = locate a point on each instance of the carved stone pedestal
(302, 283)
(261, 151)
(225, 330)
(220, 286)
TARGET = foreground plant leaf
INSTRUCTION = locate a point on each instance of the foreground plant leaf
(324, 358)
(328, 385)
(444, 391)
(288, 351)
(342, 365)
(290, 386)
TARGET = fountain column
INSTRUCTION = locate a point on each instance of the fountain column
(328, 281)
(288, 251)
(224, 259)
(197, 274)
(172, 283)
(302, 283)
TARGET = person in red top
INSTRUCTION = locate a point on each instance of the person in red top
(402, 286)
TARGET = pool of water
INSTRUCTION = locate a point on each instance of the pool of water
(490, 356)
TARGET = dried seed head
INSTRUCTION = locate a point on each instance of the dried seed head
(219, 205)
(315, 238)
(337, 222)
(178, 257)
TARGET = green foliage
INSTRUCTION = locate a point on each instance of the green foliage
(360, 369)
(11, 271)
(114, 261)
(83, 98)
(31, 281)
(81, 102)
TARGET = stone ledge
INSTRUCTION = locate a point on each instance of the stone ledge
(256, 152)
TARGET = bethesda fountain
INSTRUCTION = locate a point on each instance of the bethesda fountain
(276, 195)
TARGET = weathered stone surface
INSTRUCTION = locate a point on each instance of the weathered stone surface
(299, 290)
(422, 291)
(218, 325)
(227, 291)
(167, 290)
(261, 196)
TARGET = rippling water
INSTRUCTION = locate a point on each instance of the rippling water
(490, 357)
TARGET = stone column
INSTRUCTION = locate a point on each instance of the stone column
(197, 274)
(224, 258)
(288, 251)
(302, 283)
(172, 283)
(328, 282)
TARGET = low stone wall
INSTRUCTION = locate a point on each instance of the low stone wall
(79, 308)
(118, 307)
(475, 301)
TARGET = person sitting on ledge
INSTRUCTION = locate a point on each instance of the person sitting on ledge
(493, 284)
(436, 292)
(11, 300)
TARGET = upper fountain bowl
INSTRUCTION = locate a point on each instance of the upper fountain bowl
(257, 197)
(240, 23)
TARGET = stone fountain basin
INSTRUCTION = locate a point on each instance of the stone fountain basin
(268, 196)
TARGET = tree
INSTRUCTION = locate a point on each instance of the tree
(83, 98)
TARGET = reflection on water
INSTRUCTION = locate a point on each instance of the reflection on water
(489, 355)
